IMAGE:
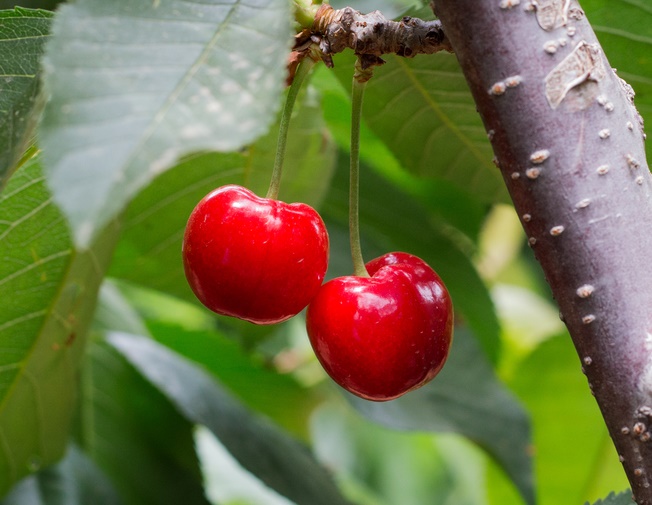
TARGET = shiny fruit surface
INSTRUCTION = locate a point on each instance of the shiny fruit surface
(258, 259)
(382, 336)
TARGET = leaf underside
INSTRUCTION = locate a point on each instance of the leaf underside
(136, 84)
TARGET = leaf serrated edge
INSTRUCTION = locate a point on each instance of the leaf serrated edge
(613, 496)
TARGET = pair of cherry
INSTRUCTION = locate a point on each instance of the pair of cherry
(263, 260)
(379, 333)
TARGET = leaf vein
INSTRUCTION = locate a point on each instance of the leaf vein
(442, 116)
(622, 33)
(22, 319)
(37, 263)
(25, 217)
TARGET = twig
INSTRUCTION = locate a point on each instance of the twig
(369, 36)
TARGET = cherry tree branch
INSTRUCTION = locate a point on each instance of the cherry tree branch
(369, 36)
(570, 146)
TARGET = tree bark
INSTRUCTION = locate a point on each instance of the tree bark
(570, 146)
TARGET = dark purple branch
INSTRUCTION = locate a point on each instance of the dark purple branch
(570, 146)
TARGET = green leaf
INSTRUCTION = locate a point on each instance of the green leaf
(309, 159)
(422, 109)
(399, 467)
(390, 220)
(115, 313)
(74, 481)
(128, 427)
(135, 434)
(466, 398)
(23, 34)
(48, 291)
(624, 28)
(447, 201)
(151, 305)
(225, 481)
(150, 254)
(624, 498)
(569, 468)
(262, 449)
(136, 84)
(282, 398)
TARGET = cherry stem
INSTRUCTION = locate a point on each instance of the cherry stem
(357, 95)
(302, 71)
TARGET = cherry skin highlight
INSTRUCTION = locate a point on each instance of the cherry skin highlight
(257, 259)
(382, 336)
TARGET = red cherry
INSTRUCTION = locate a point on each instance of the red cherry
(254, 258)
(382, 336)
